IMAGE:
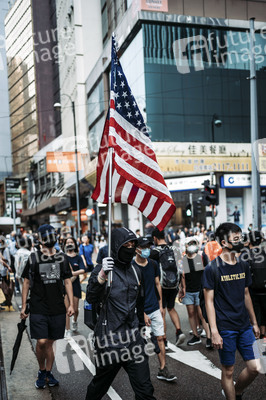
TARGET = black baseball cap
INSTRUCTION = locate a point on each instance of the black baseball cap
(46, 230)
(144, 241)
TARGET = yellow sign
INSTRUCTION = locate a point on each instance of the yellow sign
(204, 164)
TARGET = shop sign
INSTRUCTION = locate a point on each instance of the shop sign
(154, 5)
(204, 164)
(202, 149)
(187, 183)
(62, 161)
(240, 180)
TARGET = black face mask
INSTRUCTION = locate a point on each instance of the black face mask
(49, 241)
(126, 254)
(69, 247)
(236, 247)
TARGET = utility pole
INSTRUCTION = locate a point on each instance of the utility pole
(213, 218)
(255, 176)
(192, 211)
(14, 213)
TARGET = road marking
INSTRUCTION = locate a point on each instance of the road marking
(87, 362)
(194, 359)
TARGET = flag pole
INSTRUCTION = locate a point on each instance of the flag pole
(110, 155)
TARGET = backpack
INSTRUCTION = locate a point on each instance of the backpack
(258, 271)
(214, 268)
(169, 273)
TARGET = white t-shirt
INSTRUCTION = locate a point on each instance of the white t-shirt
(21, 258)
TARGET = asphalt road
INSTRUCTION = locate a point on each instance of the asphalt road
(197, 369)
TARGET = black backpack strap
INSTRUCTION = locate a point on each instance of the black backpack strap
(215, 271)
(32, 261)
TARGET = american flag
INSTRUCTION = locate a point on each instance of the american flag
(136, 176)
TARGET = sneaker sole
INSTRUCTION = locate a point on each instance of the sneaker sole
(181, 339)
(162, 378)
(192, 344)
(53, 384)
(40, 387)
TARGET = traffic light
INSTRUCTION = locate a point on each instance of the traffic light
(197, 208)
(188, 210)
(210, 194)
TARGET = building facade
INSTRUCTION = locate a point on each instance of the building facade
(33, 77)
(188, 67)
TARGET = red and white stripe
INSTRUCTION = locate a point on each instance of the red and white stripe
(136, 179)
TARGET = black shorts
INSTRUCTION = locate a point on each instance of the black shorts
(89, 268)
(47, 326)
(169, 296)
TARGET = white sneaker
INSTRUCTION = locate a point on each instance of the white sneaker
(67, 334)
(203, 334)
(74, 326)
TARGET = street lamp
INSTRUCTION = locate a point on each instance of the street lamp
(57, 107)
(216, 122)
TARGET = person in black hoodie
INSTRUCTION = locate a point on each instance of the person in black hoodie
(118, 341)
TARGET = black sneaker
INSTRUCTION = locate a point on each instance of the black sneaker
(194, 340)
(166, 344)
(41, 381)
(180, 338)
(51, 379)
(164, 374)
(209, 344)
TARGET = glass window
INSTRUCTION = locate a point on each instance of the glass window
(104, 24)
(95, 103)
(94, 137)
(192, 73)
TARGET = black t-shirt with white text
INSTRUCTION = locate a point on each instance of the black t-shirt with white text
(47, 274)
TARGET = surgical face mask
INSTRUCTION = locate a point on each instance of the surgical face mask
(237, 247)
(193, 248)
(145, 253)
(126, 254)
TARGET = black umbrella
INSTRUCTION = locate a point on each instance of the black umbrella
(21, 328)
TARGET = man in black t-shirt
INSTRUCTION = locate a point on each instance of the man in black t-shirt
(153, 310)
(45, 274)
(192, 265)
(169, 295)
(230, 312)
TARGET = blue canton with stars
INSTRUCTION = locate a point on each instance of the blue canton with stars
(125, 103)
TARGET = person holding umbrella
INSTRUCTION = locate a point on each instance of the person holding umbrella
(46, 273)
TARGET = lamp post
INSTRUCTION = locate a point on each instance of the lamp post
(216, 122)
(58, 106)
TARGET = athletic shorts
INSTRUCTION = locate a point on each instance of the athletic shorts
(169, 296)
(47, 326)
(157, 326)
(241, 340)
(191, 298)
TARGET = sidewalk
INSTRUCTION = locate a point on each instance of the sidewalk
(20, 385)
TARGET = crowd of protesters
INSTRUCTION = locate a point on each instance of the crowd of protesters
(57, 281)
